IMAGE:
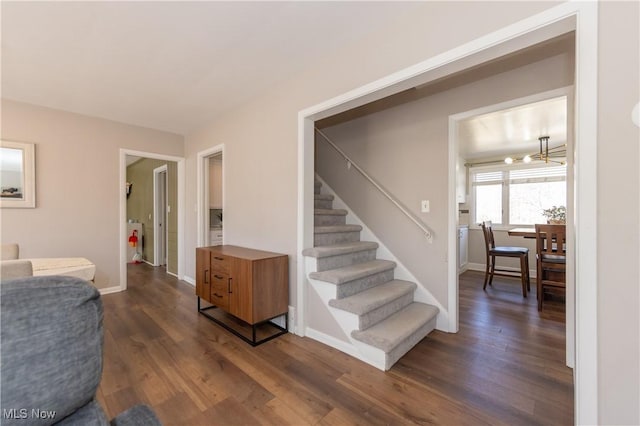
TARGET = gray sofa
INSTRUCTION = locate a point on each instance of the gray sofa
(51, 354)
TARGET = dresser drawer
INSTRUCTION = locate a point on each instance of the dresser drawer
(220, 290)
(220, 264)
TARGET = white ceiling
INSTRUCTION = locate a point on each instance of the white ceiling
(170, 65)
(514, 130)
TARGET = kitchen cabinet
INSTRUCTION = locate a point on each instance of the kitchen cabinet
(252, 285)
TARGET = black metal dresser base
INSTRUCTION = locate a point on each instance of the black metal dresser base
(252, 341)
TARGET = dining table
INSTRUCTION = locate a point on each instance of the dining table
(522, 232)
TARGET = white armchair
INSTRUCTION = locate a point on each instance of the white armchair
(10, 252)
(12, 266)
(10, 269)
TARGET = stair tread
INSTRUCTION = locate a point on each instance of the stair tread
(324, 197)
(335, 212)
(336, 228)
(353, 272)
(390, 332)
(338, 249)
(373, 298)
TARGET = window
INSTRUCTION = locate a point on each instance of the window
(510, 196)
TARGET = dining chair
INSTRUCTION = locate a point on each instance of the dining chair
(551, 259)
(494, 251)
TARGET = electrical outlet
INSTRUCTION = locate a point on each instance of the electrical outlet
(425, 206)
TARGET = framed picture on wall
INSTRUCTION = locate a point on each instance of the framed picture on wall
(17, 175)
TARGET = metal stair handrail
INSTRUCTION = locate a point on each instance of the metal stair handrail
(428, 233)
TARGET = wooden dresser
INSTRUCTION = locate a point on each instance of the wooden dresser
(251, 285)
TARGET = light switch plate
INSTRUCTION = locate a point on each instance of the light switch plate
(425, 206)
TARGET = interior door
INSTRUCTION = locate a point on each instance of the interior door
(161, 222)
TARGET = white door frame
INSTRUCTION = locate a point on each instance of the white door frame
(452, 272)
(586, 108)
(160, 241)
(180, 161)
(202, 189)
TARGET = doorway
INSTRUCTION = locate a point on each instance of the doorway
(141, 191)
(548, 113)
(151, 207)
(161, 210)
(211, 196)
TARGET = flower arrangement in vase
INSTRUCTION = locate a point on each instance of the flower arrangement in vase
(555, 215)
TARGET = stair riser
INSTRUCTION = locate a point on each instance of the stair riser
(406, 345)
(316, 187)
(356, 286)
(323, 204)
(329, 219)
(334, 262)
(384, 311)
(335, 238)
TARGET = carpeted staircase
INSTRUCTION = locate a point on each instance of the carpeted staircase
(376, 310)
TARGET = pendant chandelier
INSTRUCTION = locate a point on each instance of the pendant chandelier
(556, 154)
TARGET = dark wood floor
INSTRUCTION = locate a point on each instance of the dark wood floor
(505, 366)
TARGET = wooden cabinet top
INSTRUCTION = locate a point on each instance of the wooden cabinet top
(243, 252)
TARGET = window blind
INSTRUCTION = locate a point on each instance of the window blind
(538, 174)
(485, 178)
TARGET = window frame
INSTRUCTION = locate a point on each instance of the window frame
(506, 187)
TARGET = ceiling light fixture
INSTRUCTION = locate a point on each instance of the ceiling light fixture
(548, 155)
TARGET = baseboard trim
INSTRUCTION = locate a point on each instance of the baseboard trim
(173, 275)
(109, 290)
(338, 344)
(189, 280)
(345, 347)
(480, 267)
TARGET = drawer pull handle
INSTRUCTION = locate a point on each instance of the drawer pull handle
(218, 258)
(206, 281)
(217, 295)
(230, 286)
(218, 277)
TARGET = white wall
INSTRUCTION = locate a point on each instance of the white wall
(77, 184)
(618, 214)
